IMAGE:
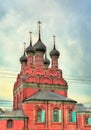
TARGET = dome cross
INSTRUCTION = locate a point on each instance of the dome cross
(30, 38)
(39, 23)
(54, 40)
(24, 46)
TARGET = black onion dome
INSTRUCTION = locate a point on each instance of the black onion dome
(46, 60)
(54, 52)
(30, 48)
(23, 58)
(39, 46)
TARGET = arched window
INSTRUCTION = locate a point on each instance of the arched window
(41, 116)
(71, 116)
(56, 115)
(9, 123)
(85, 120)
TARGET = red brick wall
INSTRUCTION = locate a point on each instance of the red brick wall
(17, 125)
(31, 108)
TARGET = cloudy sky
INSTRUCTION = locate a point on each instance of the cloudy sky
(69, 20)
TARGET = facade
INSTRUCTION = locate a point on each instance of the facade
(40, 95)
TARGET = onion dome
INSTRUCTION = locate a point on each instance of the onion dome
(23, 58)
(30, 47)
(54, 52)
(39, 46)
(46, 60)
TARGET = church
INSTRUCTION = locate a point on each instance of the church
(40, 94)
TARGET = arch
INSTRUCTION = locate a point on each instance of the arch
(28, 70)
(59, 81)
(55, 108)
(32, 79)
(52, 72)
(46, 80)
(39, 71)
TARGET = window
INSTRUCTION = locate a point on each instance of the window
(56, 115)
(85, 120)
(9, 123)
(89, 121)
(41, 116)
(72, 116)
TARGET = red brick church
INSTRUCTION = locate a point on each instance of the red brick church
(40, 95)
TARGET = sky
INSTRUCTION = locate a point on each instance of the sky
(68, 20)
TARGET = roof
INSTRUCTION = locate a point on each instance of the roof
(48, 96)
(39, 46)
(13, 113)
(30, 48)
(54, 52)
(81, 108)
(46, 60)
(23, 58)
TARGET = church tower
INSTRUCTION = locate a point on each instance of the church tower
(54, 54)
(35, 73)
(40, 90)
(30, 52)
(40, 50)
